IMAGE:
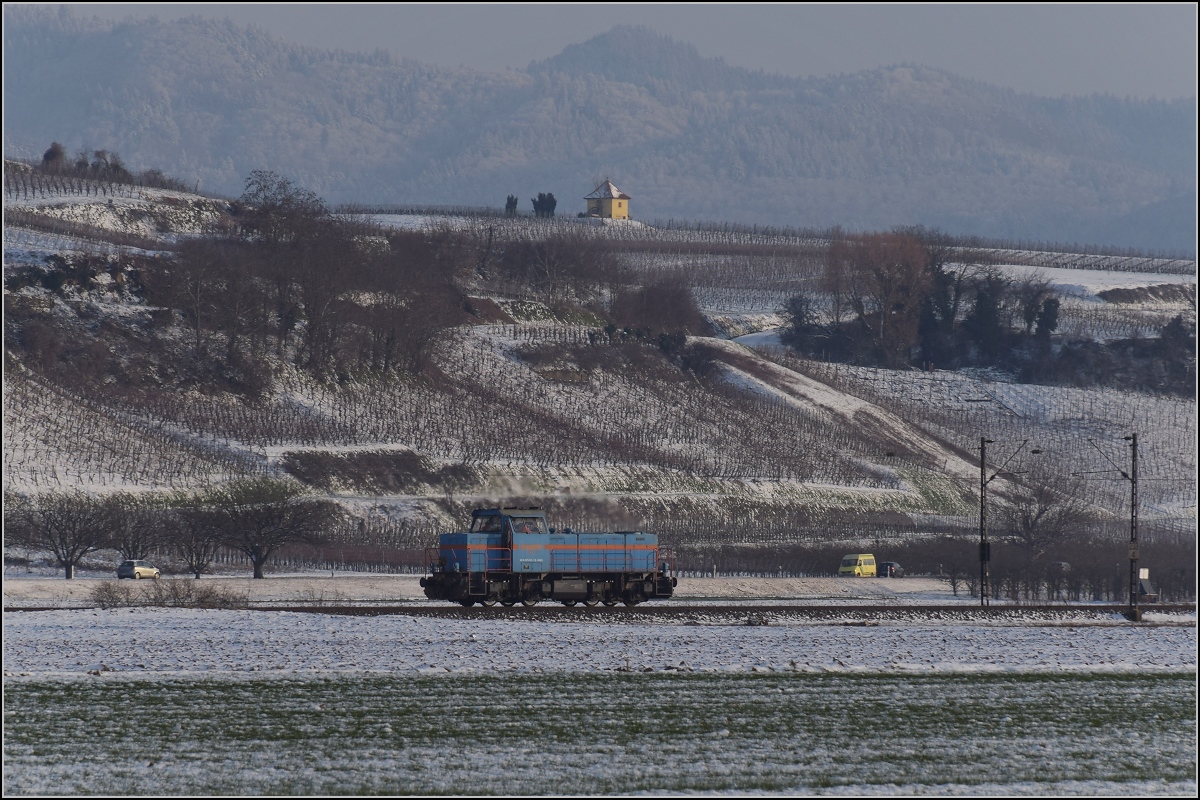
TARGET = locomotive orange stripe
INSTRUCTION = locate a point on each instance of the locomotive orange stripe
(643, 547)
(588, 547)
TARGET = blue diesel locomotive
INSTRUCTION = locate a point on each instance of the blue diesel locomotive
(510, 556)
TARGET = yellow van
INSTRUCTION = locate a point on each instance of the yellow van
(857, 565)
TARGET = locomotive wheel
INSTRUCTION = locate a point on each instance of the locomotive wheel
(631, 600)
(608, 601)
(568, 603)
(508, 603)
(489, 602)
(591, 601)
(530, 602)
(466, 603)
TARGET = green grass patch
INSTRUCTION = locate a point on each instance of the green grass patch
(594, 734)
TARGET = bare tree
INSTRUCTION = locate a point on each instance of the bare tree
(100, 162)
(135, 532)
(195, 289)
(889, 279)
(1048, 508)
(260, 516)
(956, 560)
(667, 305)
(835, 277)
(196, 534)
(70, 525)
(277, 210)
(1054, 575)
(562, 266)
(117, 168)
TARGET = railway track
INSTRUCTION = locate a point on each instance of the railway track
(740, 613)
(753, 614)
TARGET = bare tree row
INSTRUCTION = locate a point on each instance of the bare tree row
(253, 517)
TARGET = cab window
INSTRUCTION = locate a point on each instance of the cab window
(485, 524)
(528, 525)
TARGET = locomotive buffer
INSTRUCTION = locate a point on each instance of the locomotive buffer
(511, 556)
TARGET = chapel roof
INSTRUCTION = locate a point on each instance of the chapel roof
(607, 191)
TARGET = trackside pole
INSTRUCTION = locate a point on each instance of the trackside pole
(985, 549)
(1135, 609)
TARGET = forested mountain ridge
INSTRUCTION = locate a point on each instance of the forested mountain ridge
(686, 136)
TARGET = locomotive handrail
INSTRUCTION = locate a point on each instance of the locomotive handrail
(503, 563)
(664, 556)
(432, 559)
(435, 561)
(518, 565)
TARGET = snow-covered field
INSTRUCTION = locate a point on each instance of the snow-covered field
(188, 642)
(42, 587)
(142, 641)
(254, 702)
(554, 734)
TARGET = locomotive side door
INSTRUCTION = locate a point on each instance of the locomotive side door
(506, 541)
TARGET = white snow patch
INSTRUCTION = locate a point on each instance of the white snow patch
(163, 642)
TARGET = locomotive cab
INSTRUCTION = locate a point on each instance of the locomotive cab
(511, 555)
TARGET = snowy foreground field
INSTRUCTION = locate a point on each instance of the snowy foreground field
(184, 701)
(45, 588)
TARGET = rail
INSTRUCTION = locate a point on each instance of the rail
(712, 611)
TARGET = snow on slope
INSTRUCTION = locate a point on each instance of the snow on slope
(1071, 425)
(132, 211)
(802, 391)
(1084, 282)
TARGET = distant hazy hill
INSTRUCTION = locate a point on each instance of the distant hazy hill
(686, 136)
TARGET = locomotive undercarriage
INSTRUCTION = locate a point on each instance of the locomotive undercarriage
(469, 588)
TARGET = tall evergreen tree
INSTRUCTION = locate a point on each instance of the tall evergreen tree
(983, 325)
(1047, 320)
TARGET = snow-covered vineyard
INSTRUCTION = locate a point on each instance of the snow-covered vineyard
(1073, 427)
(541, 402)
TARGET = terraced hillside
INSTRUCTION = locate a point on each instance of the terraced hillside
(535, 394)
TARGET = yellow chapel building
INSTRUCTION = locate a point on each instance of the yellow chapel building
(608, 201)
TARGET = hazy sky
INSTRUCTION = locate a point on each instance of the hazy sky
(1125, 49)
